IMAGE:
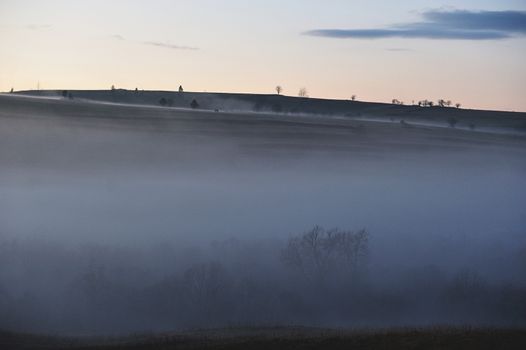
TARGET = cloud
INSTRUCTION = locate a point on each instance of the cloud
(38, 26)
(156, 43)
(169, 46)
(501, 21)
(456, 25)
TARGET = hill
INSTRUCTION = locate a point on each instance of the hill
(509, 122)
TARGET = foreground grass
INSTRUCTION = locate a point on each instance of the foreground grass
(284, 338)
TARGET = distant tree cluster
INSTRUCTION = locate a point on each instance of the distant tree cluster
(303, 92)
(439, 103)
(444, 103)
(319, 252)
(426, 103)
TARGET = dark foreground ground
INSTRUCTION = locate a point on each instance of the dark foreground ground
(285, 338)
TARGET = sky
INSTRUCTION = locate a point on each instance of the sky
(470, 52)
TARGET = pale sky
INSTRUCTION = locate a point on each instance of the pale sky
(378, 50)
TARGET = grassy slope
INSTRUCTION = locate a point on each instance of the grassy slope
(268, 133)
(288, 104)
(285, 338)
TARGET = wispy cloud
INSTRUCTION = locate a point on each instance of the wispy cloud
(169, 46)
(456, 25)
(155, 43)
(38, 26)
(117, 37)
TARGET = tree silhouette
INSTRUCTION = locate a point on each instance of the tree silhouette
(457, 105)
(12, 90)
(194, 104)
(318, 252)
(303, 92)
(353, 98)
(279, 89)
(181, 88)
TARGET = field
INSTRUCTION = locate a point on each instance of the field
(141, 217)
(285, 338)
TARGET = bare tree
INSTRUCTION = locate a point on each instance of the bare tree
(303, 92)
(181, 88)
(320, 252)
(279, 89)
(353, 98)
(458, 105)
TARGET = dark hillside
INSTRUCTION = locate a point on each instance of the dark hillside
(438, 116)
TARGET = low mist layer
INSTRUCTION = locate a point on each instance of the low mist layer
(120, 219)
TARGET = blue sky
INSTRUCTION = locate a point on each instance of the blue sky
(243, 46)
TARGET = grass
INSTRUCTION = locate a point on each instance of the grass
(284, 338)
